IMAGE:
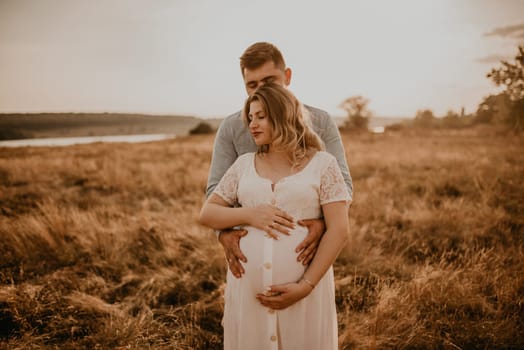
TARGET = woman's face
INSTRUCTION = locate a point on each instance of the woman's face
(259, 124)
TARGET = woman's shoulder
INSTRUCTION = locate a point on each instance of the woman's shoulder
(324, 156)
(323, 160)
(245, 158)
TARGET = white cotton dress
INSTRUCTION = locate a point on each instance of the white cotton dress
(311, 323)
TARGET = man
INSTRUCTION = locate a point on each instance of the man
(263, 63)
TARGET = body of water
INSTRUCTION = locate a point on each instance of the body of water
(67, 141)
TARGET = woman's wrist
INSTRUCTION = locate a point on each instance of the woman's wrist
(307, 284)
(246, 216)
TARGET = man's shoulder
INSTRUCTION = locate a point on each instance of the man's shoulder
(320, 119)
(317, 112)
(230, 125)
(233, 119)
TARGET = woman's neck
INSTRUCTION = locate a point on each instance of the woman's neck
(276, 154)
(281, 156)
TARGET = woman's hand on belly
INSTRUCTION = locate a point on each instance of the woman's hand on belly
(282, 296)
(271, 219)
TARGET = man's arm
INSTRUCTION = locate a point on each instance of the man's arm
(333, 143)
(224, 155)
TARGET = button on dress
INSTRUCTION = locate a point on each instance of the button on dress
(310, 323)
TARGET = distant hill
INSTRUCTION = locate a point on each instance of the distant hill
(41, 125)
(20, 126)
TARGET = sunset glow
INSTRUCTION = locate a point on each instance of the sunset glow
(181, 57)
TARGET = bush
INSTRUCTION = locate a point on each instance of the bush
(396, 127)
(13, 134)
(424, 119)
(202, 128)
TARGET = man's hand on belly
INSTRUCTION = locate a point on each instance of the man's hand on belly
(230, 240)
(308, 247)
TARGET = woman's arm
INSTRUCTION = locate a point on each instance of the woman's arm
(335, 238)
(217, 214)
(337, 225)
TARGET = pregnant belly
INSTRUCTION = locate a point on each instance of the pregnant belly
(271, 261)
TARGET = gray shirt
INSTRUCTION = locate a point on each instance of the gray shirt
(234, 139)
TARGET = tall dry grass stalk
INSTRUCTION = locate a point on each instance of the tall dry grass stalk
(99, 246)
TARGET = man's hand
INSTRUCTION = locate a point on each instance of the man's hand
(308, 247)
(230, 240)
(284, 295)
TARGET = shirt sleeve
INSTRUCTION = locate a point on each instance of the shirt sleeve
(224, 155)
(332, 185)
(334, 146)
(227, 187)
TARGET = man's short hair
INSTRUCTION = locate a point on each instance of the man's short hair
(258, 54)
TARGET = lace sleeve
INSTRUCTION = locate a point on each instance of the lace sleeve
(228, 185)
(332, 185)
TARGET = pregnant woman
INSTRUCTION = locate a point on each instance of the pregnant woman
(279, 303)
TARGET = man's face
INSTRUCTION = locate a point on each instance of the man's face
(266, 73)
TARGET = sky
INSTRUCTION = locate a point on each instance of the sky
(181, 57)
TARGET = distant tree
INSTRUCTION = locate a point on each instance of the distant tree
(357, 112)
(451, 120)
(202, 128)
(511, 76)
(493, 109)
(424, 119)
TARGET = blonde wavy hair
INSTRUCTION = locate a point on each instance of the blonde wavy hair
(287, 116)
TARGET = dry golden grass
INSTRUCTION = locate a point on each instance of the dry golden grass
(99, 246)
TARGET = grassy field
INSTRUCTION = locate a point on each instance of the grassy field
(100, 248)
